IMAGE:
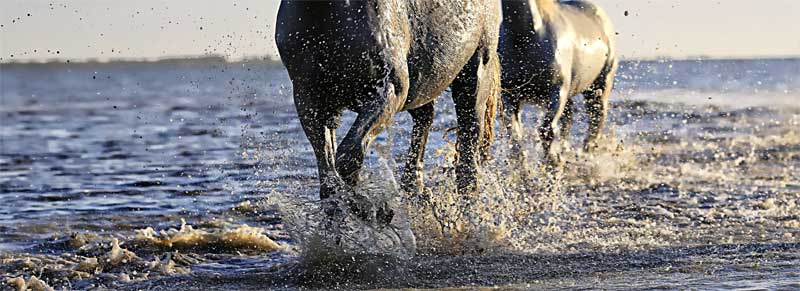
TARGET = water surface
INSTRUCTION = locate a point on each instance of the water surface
(697, 186)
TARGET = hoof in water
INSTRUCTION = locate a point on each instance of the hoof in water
(331, 209)
(369, 211)
(591, 146)
(553, 164)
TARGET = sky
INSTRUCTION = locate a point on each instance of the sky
(39, 30)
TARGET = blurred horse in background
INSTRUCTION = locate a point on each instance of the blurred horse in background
(551, 51)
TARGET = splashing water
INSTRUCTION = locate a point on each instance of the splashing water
(346, 234)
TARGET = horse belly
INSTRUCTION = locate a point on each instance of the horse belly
(529, 68)
(429, 80)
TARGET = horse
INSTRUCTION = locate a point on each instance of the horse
(551, 51)
(380, 57)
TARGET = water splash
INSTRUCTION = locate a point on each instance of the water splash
(345, 243)
(92, 260)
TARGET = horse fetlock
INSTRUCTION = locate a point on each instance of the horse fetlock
(351, 179)
(466, 181)
(332, 210)
(331, 185)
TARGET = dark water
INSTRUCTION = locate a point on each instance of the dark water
(697, 189)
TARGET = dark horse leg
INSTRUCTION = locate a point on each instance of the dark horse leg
(547, 130)
(473, 90)
(319, 124)
(412, 175)
(371, 120)
(566, 120)
(597, 105)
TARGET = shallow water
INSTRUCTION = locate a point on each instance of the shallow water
(697, 186)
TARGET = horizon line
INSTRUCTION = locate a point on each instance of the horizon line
(273, 59)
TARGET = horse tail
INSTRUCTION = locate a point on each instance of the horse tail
(493, 90)
(546, 7)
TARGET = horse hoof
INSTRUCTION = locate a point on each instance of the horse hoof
(590, 147)
(331, 209)
(367, 211)
(384, 215)
(553, 163)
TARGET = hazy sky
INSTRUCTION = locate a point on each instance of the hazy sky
(79, 29)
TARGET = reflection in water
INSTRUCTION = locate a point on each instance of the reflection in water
(140, 176)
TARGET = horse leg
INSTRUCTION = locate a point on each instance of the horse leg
(353, 149)
(412, 175)
(371, 120)
(547, 130)
(597, 106)
(566, 120)
(319, 124)
(474, 91)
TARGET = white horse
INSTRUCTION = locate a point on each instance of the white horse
(551, 51)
